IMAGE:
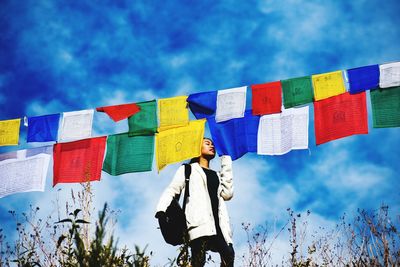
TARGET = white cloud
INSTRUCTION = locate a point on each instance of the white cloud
(359, 177)
(184, 86)
(178, 61)
(144, 94)
(309, 228)
(284, 42)
(66, 56)
(140, 193)
(260, 197)
(253, 203)
(115, 97)
(38, 107)
(310, 33)
(342, 173)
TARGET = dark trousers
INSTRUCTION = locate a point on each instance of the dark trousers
(215, 243)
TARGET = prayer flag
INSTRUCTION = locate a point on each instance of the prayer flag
(76, 125)
(43, 128)
(231, 103)
(297, 91)
(120, 112)
(328, 84)
(79, 161)
(173, 112)
(267, 98)
(363, 78)
(178, 144)
(203, 105)
(235, 137)
(128, 154)
(280, 133)
(249, 98)
(23, 171)
(145, 121)
(389, 75)
(9, 132)
(18, 154)
(340, 116)
(385, 107)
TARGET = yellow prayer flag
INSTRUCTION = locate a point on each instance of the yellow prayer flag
(173, 112)
(178, 144)
(9, 132)
(328, 84)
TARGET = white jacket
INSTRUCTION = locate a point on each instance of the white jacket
(199, 215)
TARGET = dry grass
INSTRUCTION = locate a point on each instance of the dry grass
(370, 239)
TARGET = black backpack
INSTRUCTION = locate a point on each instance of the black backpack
(173, 225)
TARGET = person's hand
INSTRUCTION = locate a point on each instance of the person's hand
(160, 215)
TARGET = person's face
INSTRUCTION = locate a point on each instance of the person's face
(207, 149)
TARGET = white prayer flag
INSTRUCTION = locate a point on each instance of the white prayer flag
(20, 154)
(389, 75)
(24, 171)
(231, 103)
(76, 125)
(280, 133)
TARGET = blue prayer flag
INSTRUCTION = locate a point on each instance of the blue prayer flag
(363, 78)
(203, 105)
(235, 137)
(43, 128)
(249, 98)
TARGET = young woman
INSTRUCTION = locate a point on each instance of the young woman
(206, 214)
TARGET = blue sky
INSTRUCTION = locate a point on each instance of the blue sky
(58, 56)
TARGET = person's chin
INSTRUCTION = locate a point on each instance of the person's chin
(210, 156)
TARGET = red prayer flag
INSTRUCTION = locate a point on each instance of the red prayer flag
(267, 98)
(340, 116)
(120, 112)
(78, 161)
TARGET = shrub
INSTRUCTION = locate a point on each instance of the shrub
(67, 242)
(370, 239)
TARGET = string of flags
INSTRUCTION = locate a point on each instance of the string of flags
(267, 119)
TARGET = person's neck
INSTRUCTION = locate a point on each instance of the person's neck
(205, 163)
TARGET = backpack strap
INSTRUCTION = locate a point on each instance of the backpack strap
(188, 171)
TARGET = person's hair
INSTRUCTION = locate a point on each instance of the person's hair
(207, 138)
(197, 159)
(194, 160)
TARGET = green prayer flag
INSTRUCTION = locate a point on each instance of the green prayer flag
(145, 121)
(128, 154)
(386, 107)
(297, 91)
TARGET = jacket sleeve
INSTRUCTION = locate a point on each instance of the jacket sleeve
(174, 188)
(226, 178)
